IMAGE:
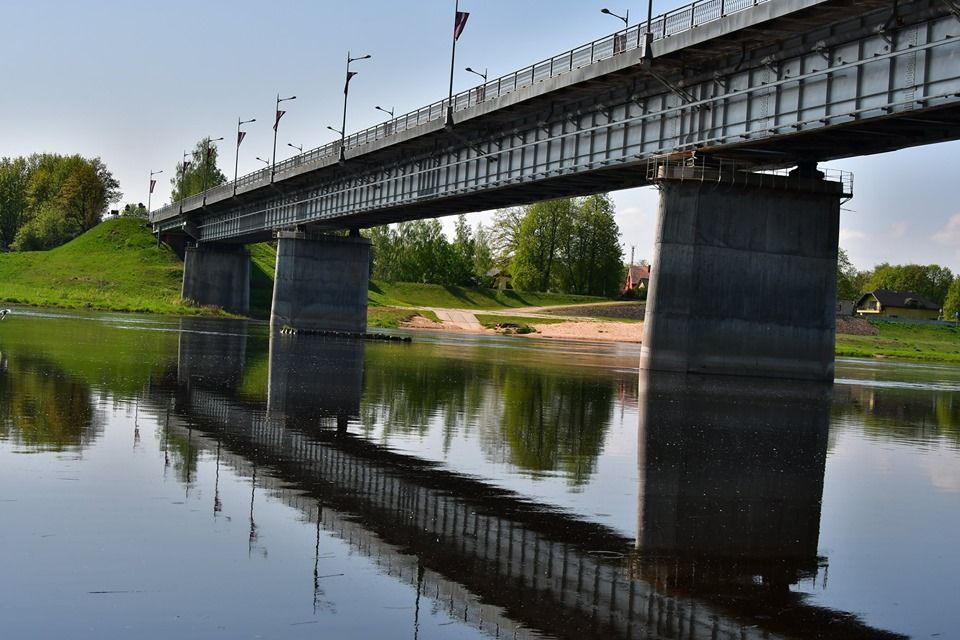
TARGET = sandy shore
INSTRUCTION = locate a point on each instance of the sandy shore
(591, 330)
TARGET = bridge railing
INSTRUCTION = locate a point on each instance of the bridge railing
(669, 24)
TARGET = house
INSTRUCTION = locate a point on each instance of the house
(500, 278)
(883, 303)
(638, 278)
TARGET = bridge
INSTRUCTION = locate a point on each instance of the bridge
(726, 92)
(711, 559)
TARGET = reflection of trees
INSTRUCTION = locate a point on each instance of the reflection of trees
(901, 413)
(550, 419)
(44, 408)
(555, 421)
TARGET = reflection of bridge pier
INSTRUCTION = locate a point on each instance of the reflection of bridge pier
(315, 379)
(211, 353)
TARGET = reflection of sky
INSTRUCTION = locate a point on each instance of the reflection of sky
(891, 510)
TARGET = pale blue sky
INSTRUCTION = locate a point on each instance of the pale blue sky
(136, 83)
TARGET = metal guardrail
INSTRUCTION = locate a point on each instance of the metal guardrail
(663, 26)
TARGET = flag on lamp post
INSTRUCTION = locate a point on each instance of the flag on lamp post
(240, 136)
(153, 183)
(459, 23)
(277, 122)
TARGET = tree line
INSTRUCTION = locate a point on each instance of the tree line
(569, 245)
(48, 199)
(933, 282)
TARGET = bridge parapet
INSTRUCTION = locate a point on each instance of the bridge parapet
(672, 23)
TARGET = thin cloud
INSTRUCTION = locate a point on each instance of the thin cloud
(950, 233)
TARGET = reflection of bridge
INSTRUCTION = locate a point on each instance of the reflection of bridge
(504, 565)
(744, 85)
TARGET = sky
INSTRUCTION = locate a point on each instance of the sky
(138, 83)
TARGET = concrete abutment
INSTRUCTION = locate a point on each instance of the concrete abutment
(745, 275)
(321, 283)
(219, 275)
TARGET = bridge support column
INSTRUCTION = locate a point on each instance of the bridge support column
(321, 283)
(744, 274)
(218, 274)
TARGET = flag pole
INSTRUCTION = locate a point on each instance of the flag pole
(453, 59)
(276, 125)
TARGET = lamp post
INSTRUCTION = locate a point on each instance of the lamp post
(619, 46)
(482, 75)
(206, 165)
(298, 148)
(346, 92)
(389, 111)
(276, 124)
(236, 161)
(183, 177)
(266, 162)
(648, 36)
(459, 23)
(151, 185)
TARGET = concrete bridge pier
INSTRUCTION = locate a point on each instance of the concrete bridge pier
(744, 276)
(321, 282)
(218, 274)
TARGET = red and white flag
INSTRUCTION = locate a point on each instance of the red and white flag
(240, 136)
(277, 122)
(346, 86)
(459, 23)
(153, 183)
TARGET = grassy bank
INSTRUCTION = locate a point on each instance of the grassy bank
(406, 294)
(115, 266)
(904, 341)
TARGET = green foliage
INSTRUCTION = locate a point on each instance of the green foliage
(847, 278)
(546, 227)
(951, 305)
(48, 199)
(201, 172)
(929, 281)
(131, 210)
(569, 245)
(13, 198)
(263, 264)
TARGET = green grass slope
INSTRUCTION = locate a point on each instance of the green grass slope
(905, 341)
(114, 266)
(406, 294)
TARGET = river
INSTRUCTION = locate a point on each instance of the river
(199, 478)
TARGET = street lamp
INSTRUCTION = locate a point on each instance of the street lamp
(298, 148)
(276, 123)
(626, 18)
(206, 166)
(183, 177)
(266, 162)
(482, 75)
(346, 92)
(389, 111)
(152, 185)
(240, 136)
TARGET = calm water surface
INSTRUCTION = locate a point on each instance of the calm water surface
(198, 479)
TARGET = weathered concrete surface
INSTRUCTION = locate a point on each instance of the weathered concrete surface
(219, 275)
(744, 280)
(321, 283)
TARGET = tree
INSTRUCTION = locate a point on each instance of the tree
(460, 271)
(86, 192)
(201, 171)
(131, 210)
(847, 276)
(544, 230)
(592, 255)
(13, 198)
(483, 260)
(929, 281)
(505, 232)
(951, 306)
